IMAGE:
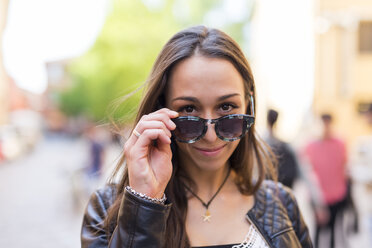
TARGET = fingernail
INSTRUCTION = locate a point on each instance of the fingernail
(174, 113)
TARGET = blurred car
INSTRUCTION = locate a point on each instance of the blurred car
(20, 135)
(28, 124)
(10, 142)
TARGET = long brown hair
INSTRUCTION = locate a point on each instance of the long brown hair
(212, 43)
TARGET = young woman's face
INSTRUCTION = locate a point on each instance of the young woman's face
(208, 88)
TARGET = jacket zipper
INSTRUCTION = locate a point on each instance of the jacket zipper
(254, 223)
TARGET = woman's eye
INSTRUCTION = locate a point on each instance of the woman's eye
(226, 107)
(187, 109)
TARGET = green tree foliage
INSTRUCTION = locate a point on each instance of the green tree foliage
(119, 61)
(122, 56)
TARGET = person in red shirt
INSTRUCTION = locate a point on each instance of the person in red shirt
(328, 158)
(1, 153)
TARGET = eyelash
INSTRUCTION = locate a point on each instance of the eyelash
(183, 108)
(233, 106)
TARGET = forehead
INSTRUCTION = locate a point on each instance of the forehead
(204, 78)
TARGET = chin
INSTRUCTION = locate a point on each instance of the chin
(210, 165)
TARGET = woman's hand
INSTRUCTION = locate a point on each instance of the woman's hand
(149, 156)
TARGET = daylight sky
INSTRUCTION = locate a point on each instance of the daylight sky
(46, 30)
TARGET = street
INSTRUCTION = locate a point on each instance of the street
(37, 208)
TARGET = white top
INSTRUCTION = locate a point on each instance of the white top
(253, 239)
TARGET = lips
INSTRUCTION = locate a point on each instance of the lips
(210, 151)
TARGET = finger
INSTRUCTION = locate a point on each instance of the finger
(144, 125)
(138, 147)
(149, 135)
(172, 113)
(164, 115)
(165, 147)
(129, 143)
(159, 116)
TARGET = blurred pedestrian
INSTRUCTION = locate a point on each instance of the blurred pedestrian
(1, 152)
(361, 171)
(287, 161)
(96, 152)
(328, 158)
(85, 179)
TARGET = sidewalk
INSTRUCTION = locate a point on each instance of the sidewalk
(36, 209)
(358, 240)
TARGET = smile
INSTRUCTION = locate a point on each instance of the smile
(210, 152)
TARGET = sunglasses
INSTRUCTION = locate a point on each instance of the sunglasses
(190, 129)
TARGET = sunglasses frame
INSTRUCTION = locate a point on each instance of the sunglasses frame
(248, 118)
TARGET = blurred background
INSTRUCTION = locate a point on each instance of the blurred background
(64, 66)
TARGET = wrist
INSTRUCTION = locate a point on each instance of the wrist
(148, 190)
(160, 198)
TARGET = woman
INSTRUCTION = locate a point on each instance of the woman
(194, 174)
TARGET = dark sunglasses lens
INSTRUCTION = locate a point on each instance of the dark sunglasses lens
(231, 128)
(187, 130)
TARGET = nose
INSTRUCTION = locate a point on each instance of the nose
(210, 135)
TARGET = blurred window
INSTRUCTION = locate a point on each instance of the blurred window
(365, 37)
(362, 107)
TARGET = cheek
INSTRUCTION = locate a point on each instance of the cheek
(233, 145)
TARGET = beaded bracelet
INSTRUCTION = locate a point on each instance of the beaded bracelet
(145, 197)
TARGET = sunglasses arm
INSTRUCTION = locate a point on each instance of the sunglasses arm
(252, 106)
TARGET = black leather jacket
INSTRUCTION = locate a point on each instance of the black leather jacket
(141, 224)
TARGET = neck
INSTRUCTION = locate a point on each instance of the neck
(208, 182)
(327, 135)
(271, 132)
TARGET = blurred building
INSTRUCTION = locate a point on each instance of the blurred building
(4, 97)
(343, 63)
(3, 76)
(58, 81)
(20, 122)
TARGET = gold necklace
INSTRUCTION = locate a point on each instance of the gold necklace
(207, 215)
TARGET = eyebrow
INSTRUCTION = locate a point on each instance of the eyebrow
(194, 99)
